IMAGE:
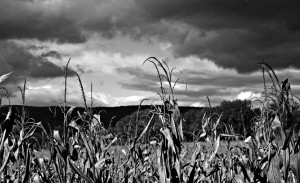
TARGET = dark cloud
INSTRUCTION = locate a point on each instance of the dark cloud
(199, 85)
(221, 79)
(234, 34)
(68, 21)
(53, 54)
(137, 79)
(38, 20)
(35, 47)
(222, 85)
(24, 64)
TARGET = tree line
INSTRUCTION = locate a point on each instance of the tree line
(237, 118)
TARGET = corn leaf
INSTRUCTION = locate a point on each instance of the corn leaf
(273, 172)
(4, 77)
(79, 172)
(161, 166)
(295, 166)
(146, 128)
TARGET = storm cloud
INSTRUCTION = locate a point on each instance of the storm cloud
(233, 34)
(18, 59)
(37, 20)
(52, 53)
(36, 36)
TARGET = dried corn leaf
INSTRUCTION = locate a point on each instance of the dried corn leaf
(4, 77)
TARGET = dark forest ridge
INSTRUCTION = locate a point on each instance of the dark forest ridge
(53, 115)
(236, 114)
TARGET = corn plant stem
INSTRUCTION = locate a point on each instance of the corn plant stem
(65, 116)
(137, 119)
(287, 165)
(5, 173)
(91, 99)
(65, 102)
(58, 171)
(23, 105)
(4, 166)
(4, 163)
(22, 118)
(91, 119)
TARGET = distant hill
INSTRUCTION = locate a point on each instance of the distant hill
(236, 114)
(53, 116)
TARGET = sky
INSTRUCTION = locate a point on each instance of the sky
(214, 45)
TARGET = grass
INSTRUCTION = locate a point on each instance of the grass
(86, 152)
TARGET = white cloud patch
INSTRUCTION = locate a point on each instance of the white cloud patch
(109, 100)
(42, 95)
(197, 104)
(248, 95)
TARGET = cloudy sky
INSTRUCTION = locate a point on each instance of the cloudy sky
(216, 45)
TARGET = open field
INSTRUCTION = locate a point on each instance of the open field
(86, 152)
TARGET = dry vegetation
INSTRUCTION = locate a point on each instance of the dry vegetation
(85, 152)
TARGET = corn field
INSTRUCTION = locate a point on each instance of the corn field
(86, 152)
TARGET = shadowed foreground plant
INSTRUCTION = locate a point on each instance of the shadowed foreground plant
(17, 143)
